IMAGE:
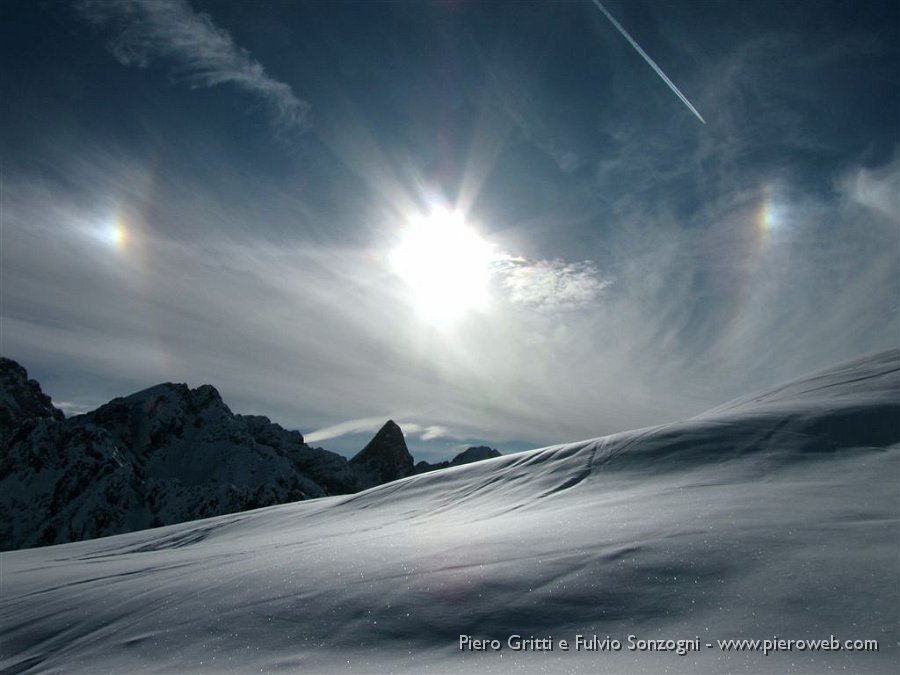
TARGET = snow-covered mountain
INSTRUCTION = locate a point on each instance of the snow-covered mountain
(774, 519)
(164, 455)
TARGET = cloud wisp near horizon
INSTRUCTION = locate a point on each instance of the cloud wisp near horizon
(639, 267)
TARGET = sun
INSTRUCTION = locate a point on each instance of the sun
(445, 263)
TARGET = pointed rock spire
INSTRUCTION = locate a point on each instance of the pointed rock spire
(385, 457)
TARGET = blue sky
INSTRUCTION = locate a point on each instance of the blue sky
(216, 191)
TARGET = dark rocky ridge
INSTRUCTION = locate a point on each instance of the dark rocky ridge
(163, 455)
(160, 456)
(473, 454)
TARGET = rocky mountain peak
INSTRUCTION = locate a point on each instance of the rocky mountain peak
(162, 413)
(385, 457)
(206, 396)
(474, 454)
(21, 399)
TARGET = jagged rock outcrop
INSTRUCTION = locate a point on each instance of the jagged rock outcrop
(162, 455)
(21, 399)
(473, 454)
(385, 457)
(201, 459)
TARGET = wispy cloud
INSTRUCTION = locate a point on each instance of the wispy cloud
(434, 432)
(369, 425)
(552, 284)
(200, 53)
(358, 426)
(429, 432)
(877, 188)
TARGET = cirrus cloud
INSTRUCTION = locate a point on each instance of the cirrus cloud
(551, 285)
(201, 53)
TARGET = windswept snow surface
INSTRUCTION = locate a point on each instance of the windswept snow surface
(773, 516)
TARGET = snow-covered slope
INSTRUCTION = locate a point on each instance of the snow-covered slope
(775, 518)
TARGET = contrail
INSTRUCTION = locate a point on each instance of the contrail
(648, 59)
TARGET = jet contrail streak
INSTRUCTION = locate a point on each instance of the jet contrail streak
(647, 58)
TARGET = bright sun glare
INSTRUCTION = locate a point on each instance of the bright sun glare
(446, 264)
